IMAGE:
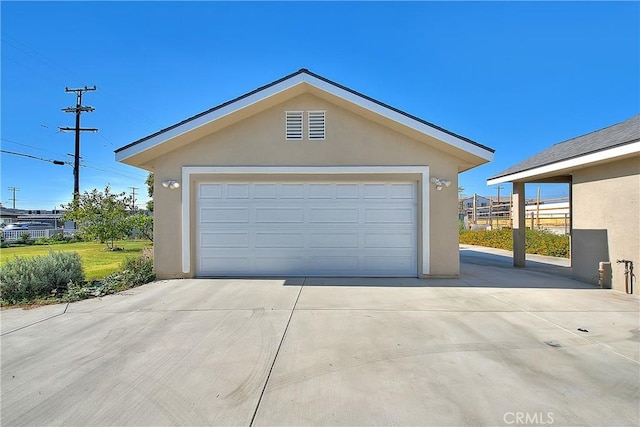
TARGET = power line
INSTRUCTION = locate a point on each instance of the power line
(85, 163)
(108, 140)
(36, 55)
(111, 172)
(10, 141)
(78, 110)
(55, 162)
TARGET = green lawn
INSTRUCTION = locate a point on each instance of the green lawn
(97, 261)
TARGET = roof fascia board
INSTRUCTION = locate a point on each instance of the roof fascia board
(397, 117)
(207, 118)
(598, 156)
(300, 77)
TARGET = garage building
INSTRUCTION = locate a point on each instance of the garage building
(305, 177)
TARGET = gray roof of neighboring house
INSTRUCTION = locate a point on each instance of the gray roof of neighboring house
(619, 134)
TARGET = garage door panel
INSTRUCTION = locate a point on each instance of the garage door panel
(265, 191)
(334, 264)
(390, 215)
(279, 215)
(237, 191)
(390, 240)
(224, 215)
(402, 191)
(223, 239)
(333, 240)
(210, 191)
(374, 191)
(276, 265)
(320, 191)
(388, 263)
(347, 191)
(224, 265)
(315, 229)
(292, 191)
(279, 240)
(334, 215)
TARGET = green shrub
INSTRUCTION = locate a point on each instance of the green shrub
(25, 239)
(25, 279)
(545, 243)
(134, 272)
(537, 241)
(56, 239)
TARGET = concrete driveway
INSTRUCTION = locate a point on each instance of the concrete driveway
(499, 346)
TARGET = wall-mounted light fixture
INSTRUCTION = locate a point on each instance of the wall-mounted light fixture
(171, 184)
(440, 183)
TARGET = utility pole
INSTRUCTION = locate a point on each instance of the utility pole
(537, 210)
(78, 109)
(498, 207)
(475, 204)
(13, 189)
(511, 210)
(133, 197)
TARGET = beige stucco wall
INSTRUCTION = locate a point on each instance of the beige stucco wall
(606, 219)
(351, 140)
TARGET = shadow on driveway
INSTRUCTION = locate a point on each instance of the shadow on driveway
(479, 267)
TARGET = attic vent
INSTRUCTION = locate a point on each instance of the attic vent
(316, 125)
(294, 125)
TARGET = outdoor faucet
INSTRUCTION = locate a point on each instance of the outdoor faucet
(628, 274)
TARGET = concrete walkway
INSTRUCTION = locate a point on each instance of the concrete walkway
(493, 347)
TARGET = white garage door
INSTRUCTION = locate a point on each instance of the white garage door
(307, 229)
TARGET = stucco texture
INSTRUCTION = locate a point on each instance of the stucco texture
(606, 219)
(259, 140)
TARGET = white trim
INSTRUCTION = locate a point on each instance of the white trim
(571, 163)
(207, 118)
(400, 118)
(319, 84)
(187, 171)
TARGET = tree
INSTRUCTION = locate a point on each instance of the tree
(101, 216)
(149, 183)
(142, 224)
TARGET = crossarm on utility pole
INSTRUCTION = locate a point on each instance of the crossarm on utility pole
(78, 110)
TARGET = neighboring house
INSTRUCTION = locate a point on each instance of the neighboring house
(603, 170)
(467, 202)
(305, 177)
(7, 215)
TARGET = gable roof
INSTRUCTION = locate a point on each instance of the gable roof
(303, 76)
(597, 145)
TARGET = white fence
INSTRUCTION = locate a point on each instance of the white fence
(14, 235)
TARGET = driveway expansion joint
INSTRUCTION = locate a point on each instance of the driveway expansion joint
(35, 323)
(284, 334)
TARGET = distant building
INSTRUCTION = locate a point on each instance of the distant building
(467, 202)
(8, 215)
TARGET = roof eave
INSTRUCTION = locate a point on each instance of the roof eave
(125, 154)
(562, 167)
(202, 119)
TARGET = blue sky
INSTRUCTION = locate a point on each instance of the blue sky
(515, 76)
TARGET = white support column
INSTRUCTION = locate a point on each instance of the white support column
(519, 226)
